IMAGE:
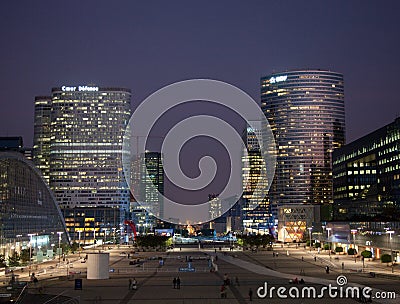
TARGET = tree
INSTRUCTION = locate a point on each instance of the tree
(13, 260)
(74, 246)
(326, 247)
(339, 249)
(386, 258)
(2, 260)
(366, 254)
(351, 251)
(25, 255)
(317, 245)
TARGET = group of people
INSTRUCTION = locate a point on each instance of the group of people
(177, 283)
(296, 281)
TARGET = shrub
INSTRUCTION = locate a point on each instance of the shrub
(351, 251)
(317, 245)
(326, 247)
(339, 249)
(366, 254)
(386, 258)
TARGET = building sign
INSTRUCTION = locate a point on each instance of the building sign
(80, 89)
(278, 79)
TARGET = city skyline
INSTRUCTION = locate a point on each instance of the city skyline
(144, 48)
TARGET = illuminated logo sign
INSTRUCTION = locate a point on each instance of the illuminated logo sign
(278, 79)
(80, 89)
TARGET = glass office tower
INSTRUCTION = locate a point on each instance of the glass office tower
(87, 124)
(306, 112)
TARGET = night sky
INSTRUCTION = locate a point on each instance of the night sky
(145, 46)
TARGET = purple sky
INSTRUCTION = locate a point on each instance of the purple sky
(148, 45)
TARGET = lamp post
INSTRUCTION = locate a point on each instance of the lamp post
(59, 246)
(284, 235)
(390, 232)
(30, 250)
(328, 229)
(353, 232)
(79, 244)
(310, 233)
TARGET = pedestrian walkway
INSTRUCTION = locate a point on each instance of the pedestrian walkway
(316, 280)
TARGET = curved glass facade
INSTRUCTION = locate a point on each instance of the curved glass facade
(306, 112)
(28, 210)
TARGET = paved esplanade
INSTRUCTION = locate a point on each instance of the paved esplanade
(155, 282)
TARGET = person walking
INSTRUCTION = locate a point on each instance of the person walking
(130, 284)
(178, 283)
(174, 282)
(251, 294)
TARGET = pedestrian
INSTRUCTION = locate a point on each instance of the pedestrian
(130, 284)
(315, 259)
(273, 254)
(223, 289)
(251, 294)
(134, 284)
(327, 269)
(342, 265)
(237, 281)
(174, 282)
(178, 283)
(302, 258)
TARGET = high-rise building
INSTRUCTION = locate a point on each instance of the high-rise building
(305, 110)
(147, 186)
(87, 124)
(253, 166)
(366, 177)
(41, 140)
(15, 143)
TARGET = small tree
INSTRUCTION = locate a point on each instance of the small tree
(339, 249)
(351, 251)
(326, 247)
(25, 255)
(366, 254)
(317, 245)
(386, 258)
(2, 261)
(13, 260)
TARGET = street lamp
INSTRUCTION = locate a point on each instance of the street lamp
(328, 229)
(79, 244)
(353, 232)
(30, 250)
(310, 233)
(284, 235)
(59, 246)
(390, 232)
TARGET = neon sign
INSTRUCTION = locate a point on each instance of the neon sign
(278, 79)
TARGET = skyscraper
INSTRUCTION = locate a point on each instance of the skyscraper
(252, 167)
(41, 140)
(87, 125)
(305, 110)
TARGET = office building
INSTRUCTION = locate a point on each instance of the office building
(366, 177)
(42, 135)
(253, 166)
(29, 214)
(87, 124)
(305, 110)
(15, 143)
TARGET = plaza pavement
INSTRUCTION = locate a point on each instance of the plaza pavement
(203, 286)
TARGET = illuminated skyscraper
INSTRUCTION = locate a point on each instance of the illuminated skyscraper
(41, 140)
(305, 110)
(252, 167)
(87, 125)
